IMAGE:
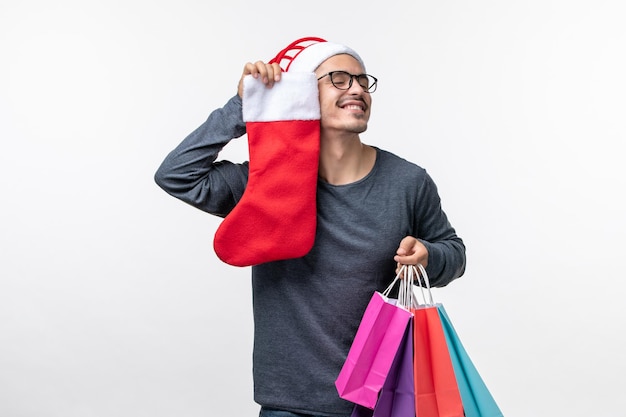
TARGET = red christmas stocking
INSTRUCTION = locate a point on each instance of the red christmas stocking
(276, 216)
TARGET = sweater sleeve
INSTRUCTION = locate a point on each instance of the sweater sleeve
(446, 250)
(190, 171)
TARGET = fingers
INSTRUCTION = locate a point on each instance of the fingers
(267, 73)
(411, 252)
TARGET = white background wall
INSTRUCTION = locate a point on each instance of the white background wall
(112, 301)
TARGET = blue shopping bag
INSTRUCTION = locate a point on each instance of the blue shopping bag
(477, 400)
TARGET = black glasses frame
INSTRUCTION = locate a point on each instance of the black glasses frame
(370, 88)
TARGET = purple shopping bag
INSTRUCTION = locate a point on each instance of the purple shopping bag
(397, 397)
(373, 350)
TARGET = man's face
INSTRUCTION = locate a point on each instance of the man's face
(343, 110)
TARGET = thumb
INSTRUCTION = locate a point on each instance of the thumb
(406, 246)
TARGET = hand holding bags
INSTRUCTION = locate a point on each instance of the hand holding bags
(442, 378)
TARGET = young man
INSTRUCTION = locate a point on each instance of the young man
(374, 211)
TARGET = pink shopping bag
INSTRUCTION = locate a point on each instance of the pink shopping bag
(373, 349)
(397, 396)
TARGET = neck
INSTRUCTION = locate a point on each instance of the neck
(345, 161)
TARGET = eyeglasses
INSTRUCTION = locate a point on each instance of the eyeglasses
(343, 80)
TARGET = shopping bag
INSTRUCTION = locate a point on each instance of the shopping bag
(477, 400)
(397, 395)
(436, 390)
(373, 349)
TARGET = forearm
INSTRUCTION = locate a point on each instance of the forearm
(446, 250)
(190, 173)
(446, 260)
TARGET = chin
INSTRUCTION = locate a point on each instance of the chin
(360, 128)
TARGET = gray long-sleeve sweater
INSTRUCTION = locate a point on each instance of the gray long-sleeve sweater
(307, 310)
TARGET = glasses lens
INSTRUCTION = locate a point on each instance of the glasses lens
(367, 82)
(340, 79)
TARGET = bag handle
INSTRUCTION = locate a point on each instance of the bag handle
(406, 296)
(423, 281)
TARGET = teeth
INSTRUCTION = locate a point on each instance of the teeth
(353, 107)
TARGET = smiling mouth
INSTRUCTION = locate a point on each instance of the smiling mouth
(353, 107)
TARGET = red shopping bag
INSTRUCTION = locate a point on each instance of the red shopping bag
(373, 349)
(436, 389)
